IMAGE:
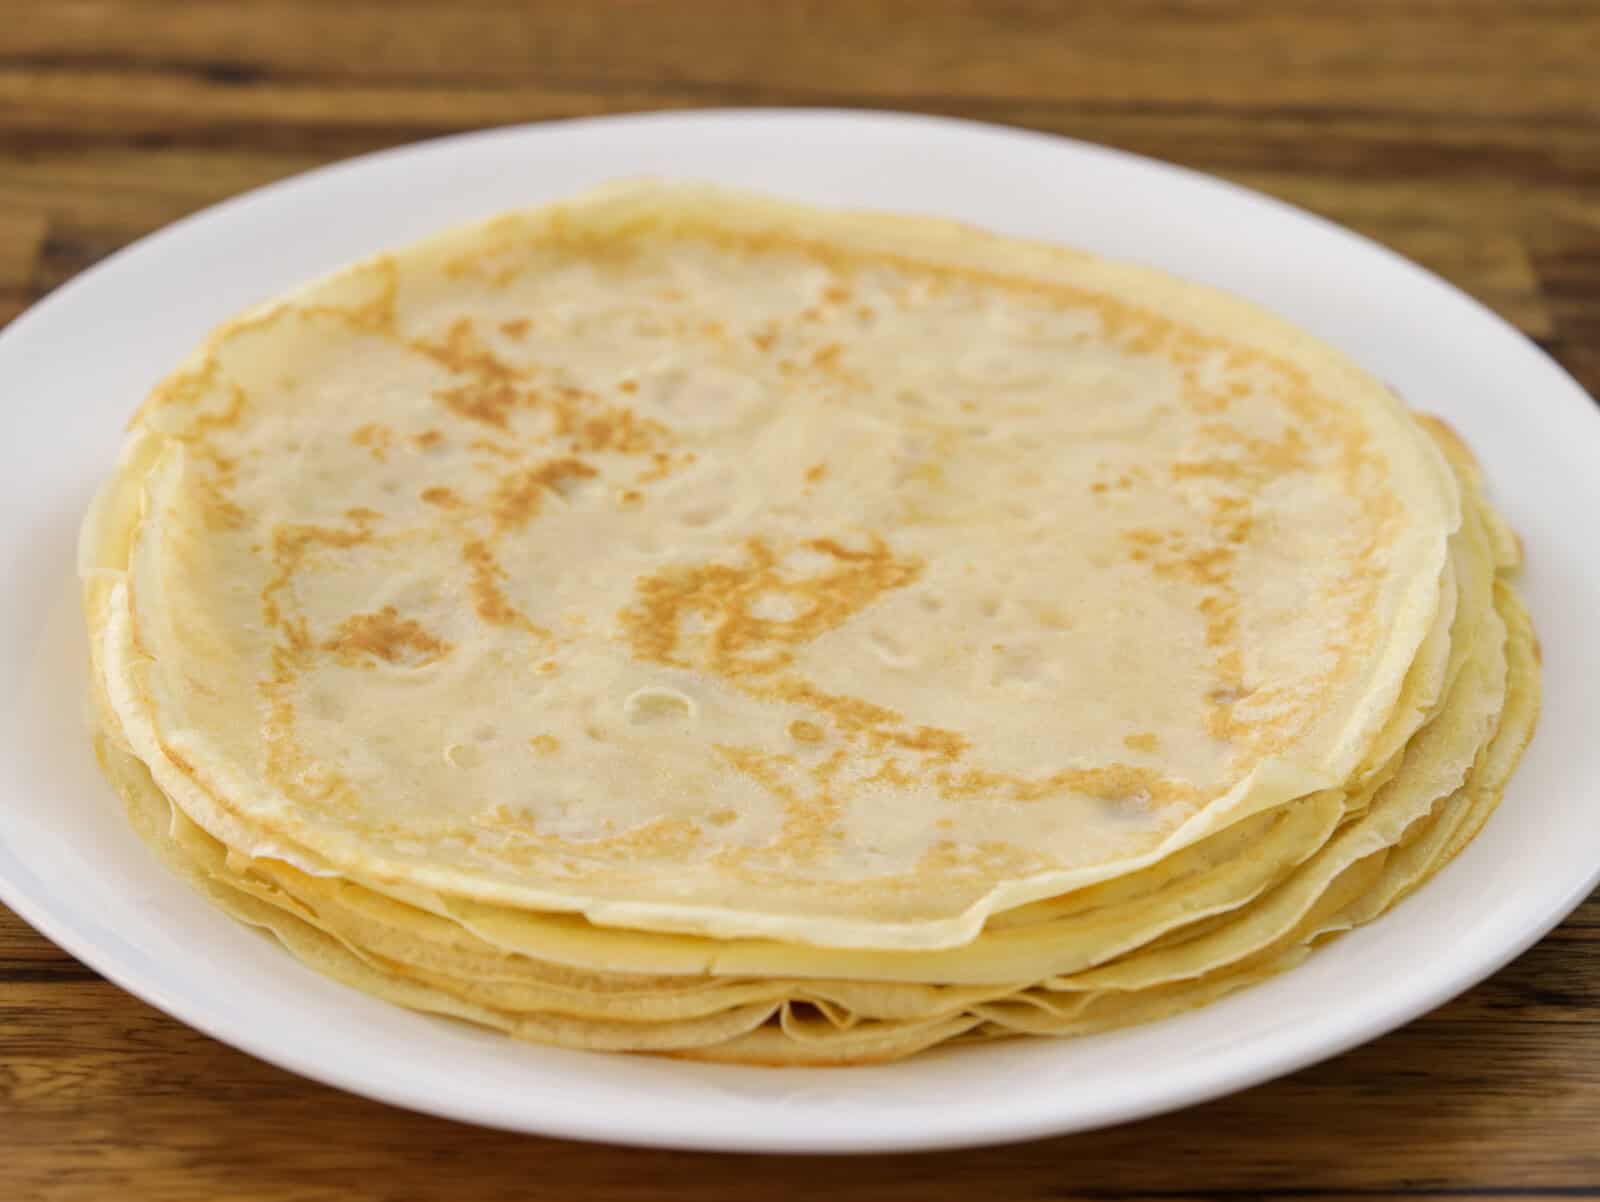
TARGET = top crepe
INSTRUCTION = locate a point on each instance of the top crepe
(704, 563)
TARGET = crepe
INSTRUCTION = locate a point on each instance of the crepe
(681, 621)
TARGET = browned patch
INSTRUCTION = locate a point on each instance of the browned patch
(660, 468)
(377, 439)
(385, 635)
(545, 744)
(880, 726)
(826, 357)
(488, 401)
(595, 426)
(815, 472)
(463, 352)
(220, 512)
(518, 498)
(427, 440)
(444, 498)
(1259, 459)
(990, 857)
(811, 815)
(737, 643)
(629, 386)
(1142, 741)
(802, 731)
(892, 773)
(489, 600)
(837, 294)
(490, 393)
(221, 471)
(291, 542)
(1112, 782)
(764, 338)
(517, 327)
(630, 496)
(494, 448)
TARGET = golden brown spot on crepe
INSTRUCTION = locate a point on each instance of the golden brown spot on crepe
(220, 512)
(220, 471)
(516, 328)
(628, 386)
(489, 600)
(619, 430)
(660, 467)
(376, 439)
(1142, 741)
(594, 426)
(880, 726)
(1259, 460)
(1111, 782)
(750, 651)
(204, 424)
(630, 496)
(815, 472)
(826, 357)
(518, 498)
(765, 338)
(385, 636)
(463, 352)
(490, 395)
(494, 448)
(990, 858)
(444, 498)
(892, 774)
(802, 731)
(491, 402)
(736, 643)
(292, 541)
(545, 744)
(297, 636)
(809, 817)
(427, 440)
(836, 294)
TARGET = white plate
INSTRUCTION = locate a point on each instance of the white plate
(72, 370)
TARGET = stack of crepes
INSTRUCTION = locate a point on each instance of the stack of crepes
(686, 622)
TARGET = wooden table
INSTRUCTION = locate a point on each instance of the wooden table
(1466, 135)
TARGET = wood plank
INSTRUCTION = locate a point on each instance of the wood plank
(1468, 56)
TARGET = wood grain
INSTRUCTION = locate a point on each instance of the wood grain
(1463, 133)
